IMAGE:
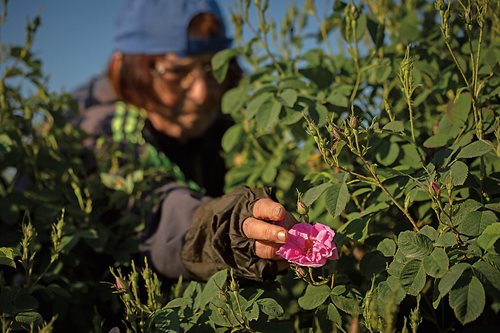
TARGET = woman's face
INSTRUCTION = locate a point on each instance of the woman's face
(189, 95)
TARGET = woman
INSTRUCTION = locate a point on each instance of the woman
(159, 96)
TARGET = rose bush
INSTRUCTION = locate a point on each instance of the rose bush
(392, 134)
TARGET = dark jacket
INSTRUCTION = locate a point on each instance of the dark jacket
(188, 233)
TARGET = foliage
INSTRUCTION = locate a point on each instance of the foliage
(395, 135)
(391, 138)
(66, 213)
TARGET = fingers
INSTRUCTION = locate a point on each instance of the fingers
(267, 209)
(263, 231)
(266, 250)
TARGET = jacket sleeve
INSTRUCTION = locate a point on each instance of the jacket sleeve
(215, 240)
(163, 238)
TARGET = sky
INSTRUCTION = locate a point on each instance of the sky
(74, 40)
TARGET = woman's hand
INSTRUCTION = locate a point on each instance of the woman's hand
(269, 227)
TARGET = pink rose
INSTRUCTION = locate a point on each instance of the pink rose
(309, 245)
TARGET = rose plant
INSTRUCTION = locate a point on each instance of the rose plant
(384, 113)
(393, 135)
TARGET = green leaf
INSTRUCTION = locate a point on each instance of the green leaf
(459, 172)
(489, 272)
(446, 239)
(451, 277)
(489, 236)
(397, 264)
(467, 299)
(408, 29)
(387, 247)
(430, 232)
(257, 102)
(232, 136)
(373, 263)
(234, 99)
(7, 257)
(348, 304)
(220, 63)
(253, 312)
(270, 307)
(436, 141)
(212, 288)
(178, 303)
(314, 193)
(321, 76)
(291, 116)
(475, 149)
(464, 208)
(413, 245)
(436, 265)
(314, 296)
(387, 153)
(476, 222)
(319, 114)
(356, 229)
(288, 97)
(164, 321)
(458, 110)
(219, 319)
(334, 315)
(394, 126)
(268, 116)
(382, 72)
(339, 96)
(413, 277)
(390, 290)
(269, 173)
(336, 198)
(15, 300)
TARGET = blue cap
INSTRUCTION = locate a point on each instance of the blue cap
(160, 26)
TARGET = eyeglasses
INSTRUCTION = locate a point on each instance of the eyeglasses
(183, 77)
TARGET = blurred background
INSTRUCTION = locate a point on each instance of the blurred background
(74, 39)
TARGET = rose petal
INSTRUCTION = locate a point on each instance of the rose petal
(309, 245)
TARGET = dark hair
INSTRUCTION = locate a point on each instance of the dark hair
(133, 83)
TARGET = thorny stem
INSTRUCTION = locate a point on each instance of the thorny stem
(456, 61)
(475, 65)
(262, 22)
(405, 76)
(376, 181)
(357, 175)
(356, 140)
(380, 184)
(234, 315)
(358, 72)
(410, 110)
(475, 90)
(393, 199)
(317, 283)
(451, 226)
(385, 101)
(242, 316)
